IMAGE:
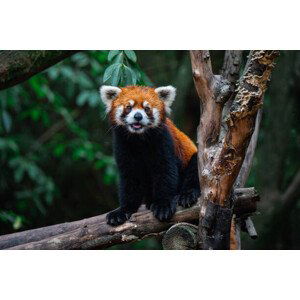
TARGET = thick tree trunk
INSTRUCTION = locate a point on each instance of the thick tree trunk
(95, 233)
(221, 153)
(18, 66)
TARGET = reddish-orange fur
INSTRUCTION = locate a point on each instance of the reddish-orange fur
(184, 147)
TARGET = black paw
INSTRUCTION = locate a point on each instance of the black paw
(188, 198)
(163, 212)
(117, 217)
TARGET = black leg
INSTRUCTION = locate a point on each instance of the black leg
(165, 180)
(190, 190)
(130, 197)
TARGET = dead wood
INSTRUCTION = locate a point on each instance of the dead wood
(94, 233)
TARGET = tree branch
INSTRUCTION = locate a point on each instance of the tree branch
(247, 163)
(95, 233)
(231, 71)
(231, 66)
(213, 92)
(18, 66)
(220, 160)
(293, 189)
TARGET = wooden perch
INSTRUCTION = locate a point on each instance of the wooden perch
(221, 154)
(94, 233)
(181, 236)
(18, 66)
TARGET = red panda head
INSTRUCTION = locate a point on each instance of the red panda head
(137, 107)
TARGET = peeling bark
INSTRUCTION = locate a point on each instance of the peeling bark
(220, 156)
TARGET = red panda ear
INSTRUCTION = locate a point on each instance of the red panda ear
(167, 94)
(108, 94)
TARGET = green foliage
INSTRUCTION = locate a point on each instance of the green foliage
(47, 125)
(124, 70)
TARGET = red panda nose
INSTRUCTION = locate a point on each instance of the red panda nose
(138, 116)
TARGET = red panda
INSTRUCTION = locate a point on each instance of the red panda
(156, 161)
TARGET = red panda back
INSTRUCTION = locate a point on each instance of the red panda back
(184, 147)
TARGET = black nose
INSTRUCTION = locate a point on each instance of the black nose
(138, 116)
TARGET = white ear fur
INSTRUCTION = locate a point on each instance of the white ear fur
(167, 94)
(108, 94)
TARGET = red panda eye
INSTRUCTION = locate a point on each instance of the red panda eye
(147, 110)
(128, 108)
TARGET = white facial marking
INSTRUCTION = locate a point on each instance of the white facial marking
(130, 117)
(131, 102)
(146, 104)
(119, 111)
(156, 116)
(137, 126)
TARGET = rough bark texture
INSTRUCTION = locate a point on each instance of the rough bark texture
(181, 236)
(101, 235)
(18, 66)
(240, 223)
(231, 66)
(95, 233)
(220, 157)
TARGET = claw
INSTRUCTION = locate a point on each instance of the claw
(188, 198)
(116, 217)
(163, 212)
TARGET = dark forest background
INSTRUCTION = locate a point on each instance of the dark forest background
(56, 153)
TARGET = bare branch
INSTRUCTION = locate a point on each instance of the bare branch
(220, 161)
(232, 65)
(241, 120)
(230, 71)
(293, 189)
(95, 233)
(213, 91)
(247, 163)
(250, 228)
(101, 235)
(202, 73)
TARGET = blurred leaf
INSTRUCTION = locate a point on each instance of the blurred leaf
(108, 72)
(116, 75)
(19, 173)
(36, 84)
(6, 118)
(94, 98)
(119, 58)
(67, 72)
(82, 98)
(53, 73)
(35, 114)
(8, 144)
(127, 76)
(112, 54)
(17, 223)
(131, 55)
(59, 150)
(85, 81)
(130, 76)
